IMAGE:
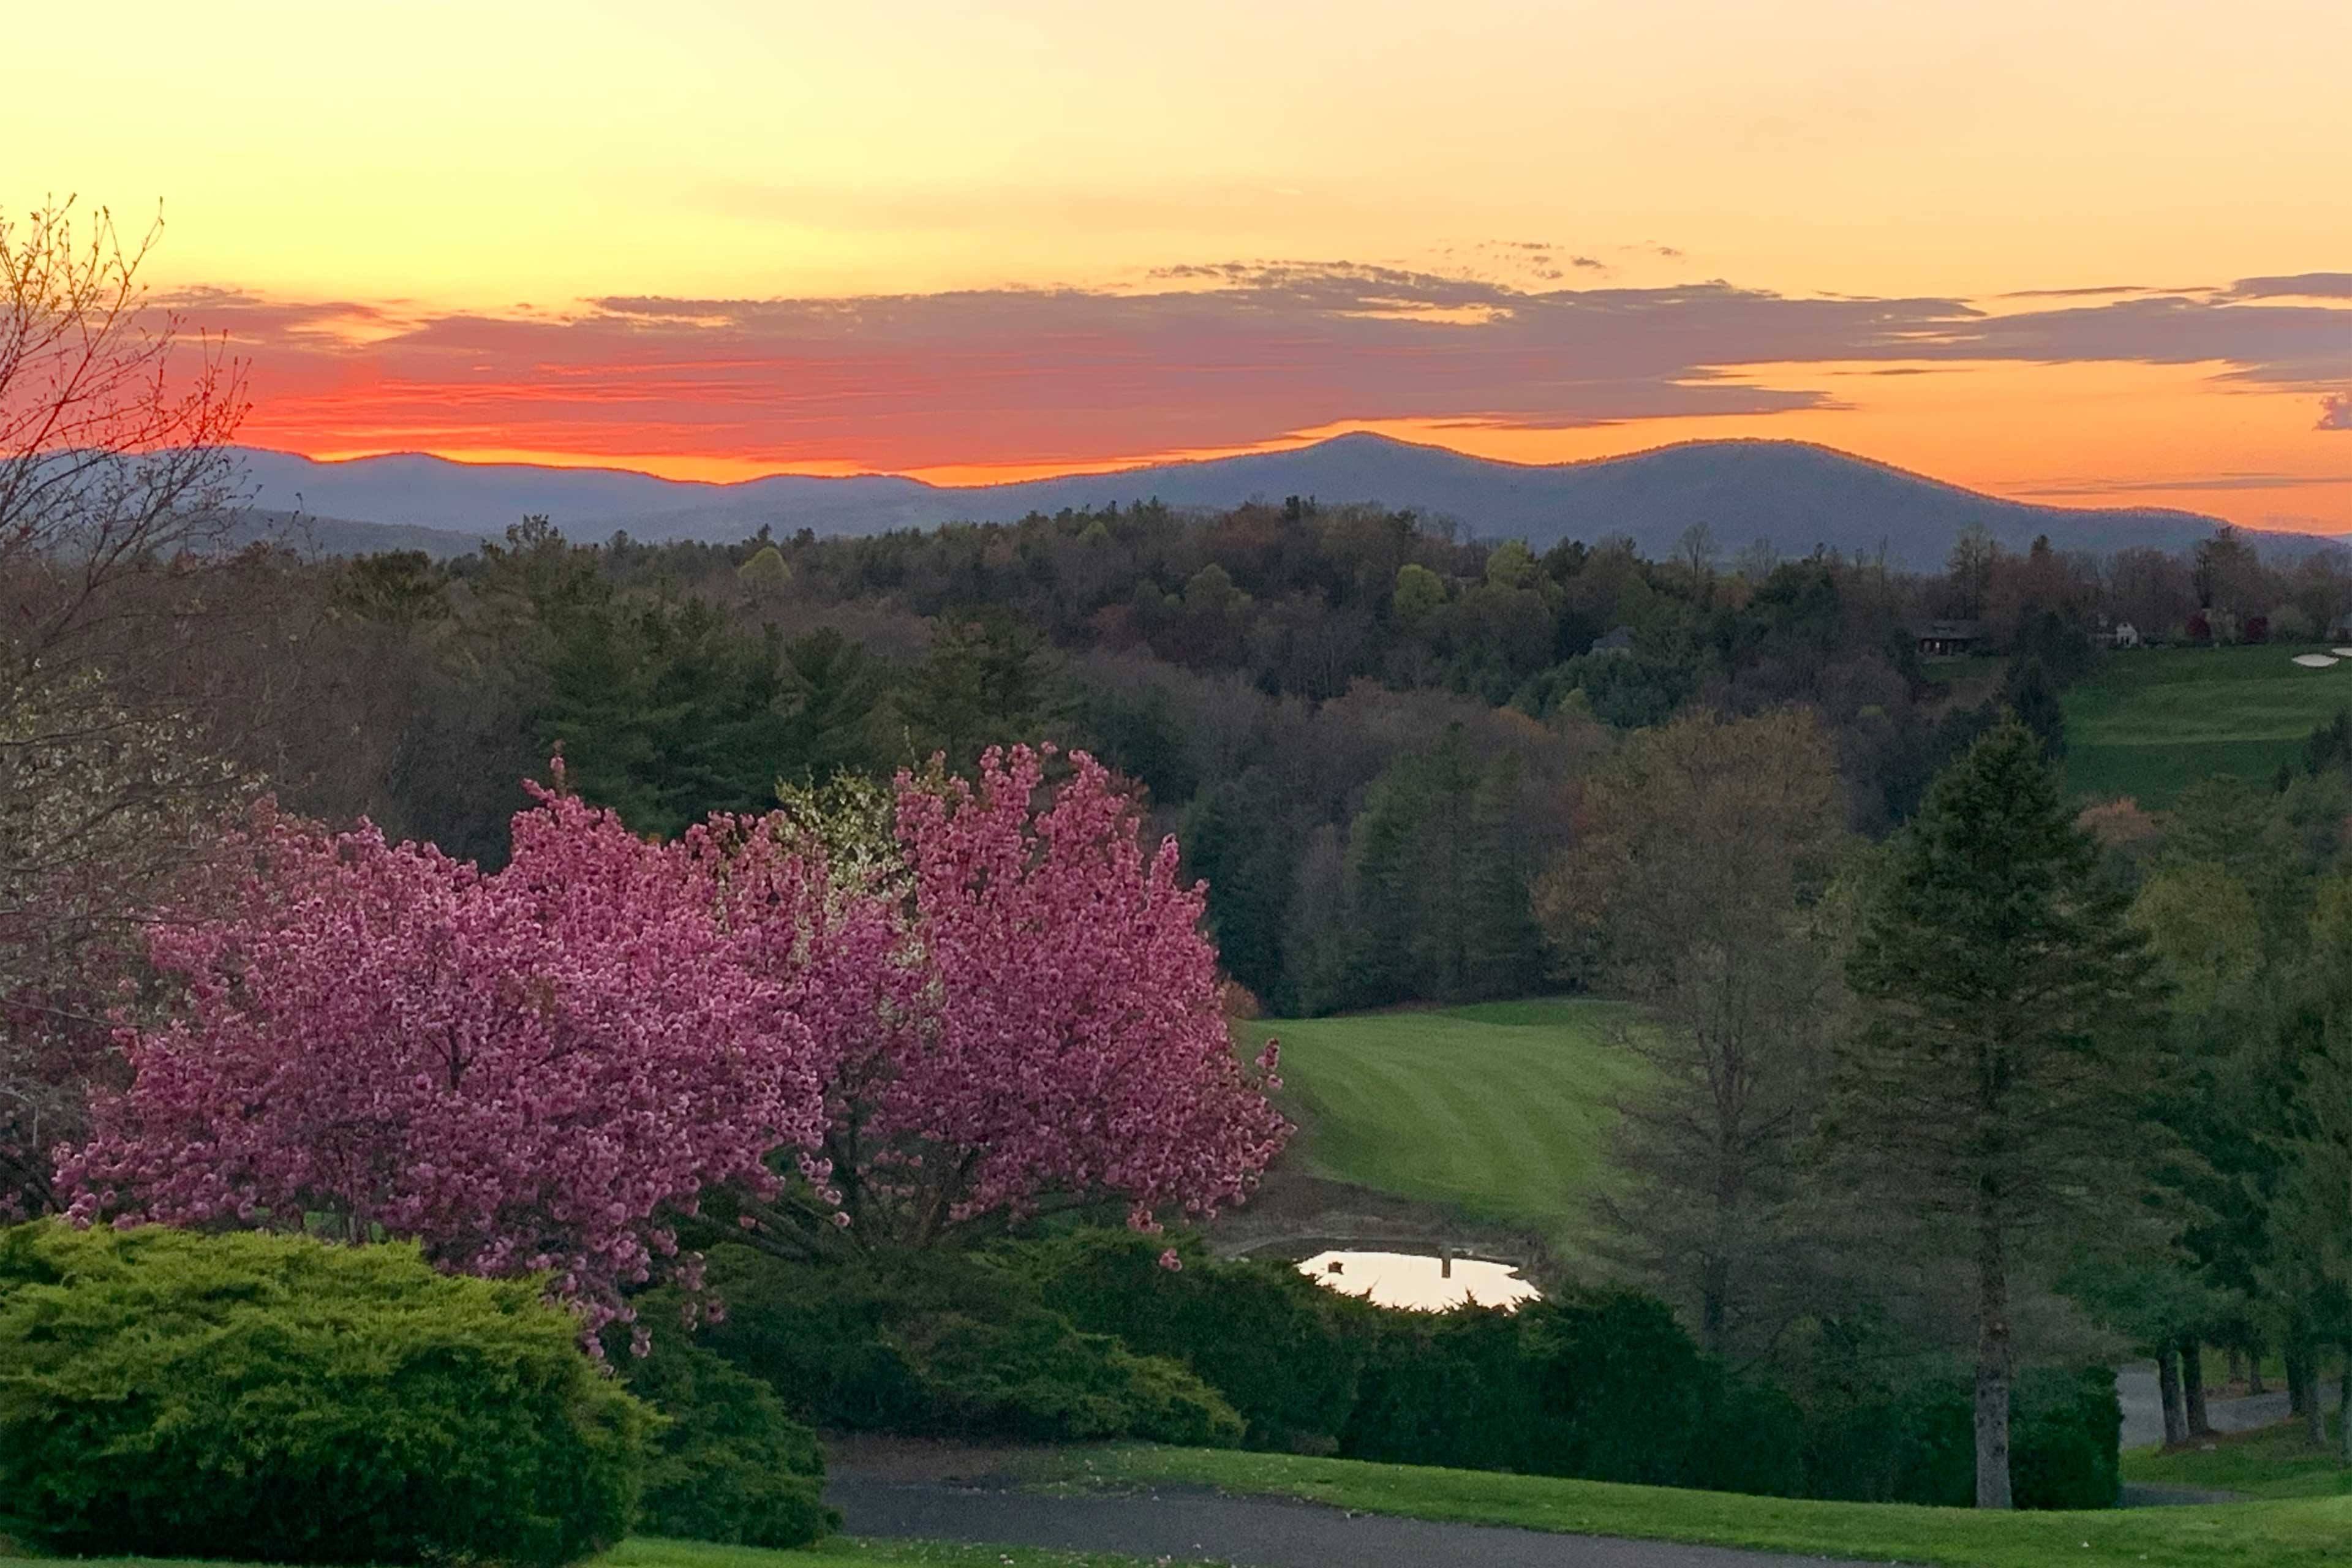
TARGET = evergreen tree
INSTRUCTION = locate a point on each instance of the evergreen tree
(1242, 841)
(986, 682)
(1999, 1082)
(836, 691)
(665, 712)
(1440, 900)
(2026, 693)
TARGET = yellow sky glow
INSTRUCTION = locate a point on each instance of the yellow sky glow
(498, 154)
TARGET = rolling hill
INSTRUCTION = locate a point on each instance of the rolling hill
(1792, 494)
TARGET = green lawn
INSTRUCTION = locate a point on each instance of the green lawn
(1496, 1108)
(2149, 722)
(2270, 1462)
(2241, 1535)
(841, 1552)
(846, 1552)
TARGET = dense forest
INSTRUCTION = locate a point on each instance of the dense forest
(1366, 730)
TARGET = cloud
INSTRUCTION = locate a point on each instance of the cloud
(2094, 292)
(2273, 345)
(2335, 411)
(1199, 357)
(2300, 285)
(2218, 483)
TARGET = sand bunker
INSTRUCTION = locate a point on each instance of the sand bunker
(2315, 660)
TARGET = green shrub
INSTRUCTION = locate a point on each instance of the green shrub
(1751, 1438)
(1911, 1442)
(943, 1342)
(732, 1465)
(1913, 1439)
(169, 1394)
(1262, 1334)
(1033, 1375)
(2065, 1430)
(1625, 1391)
(1443, 1388)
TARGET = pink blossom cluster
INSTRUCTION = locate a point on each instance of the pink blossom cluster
(537, 1070)
(1076, 1043)
(1028, 1015)
(523, 1072)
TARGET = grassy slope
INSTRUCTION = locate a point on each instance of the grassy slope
(851, 1553)
(1496, 1108)
(2149, 723)
(835, 1553)
(2241, 1535)
(2270, 1462)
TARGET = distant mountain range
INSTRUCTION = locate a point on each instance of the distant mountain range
(1792, 494)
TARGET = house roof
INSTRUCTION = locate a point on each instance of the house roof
(1621, 640)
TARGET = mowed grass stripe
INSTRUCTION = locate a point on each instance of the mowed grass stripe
(2149, 723)
(1496, 1108)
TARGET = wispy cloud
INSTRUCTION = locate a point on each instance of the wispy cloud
(2217, 484)
(2107, 290)
(2299, 285)
(1199, 357)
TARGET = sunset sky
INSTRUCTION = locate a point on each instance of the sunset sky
(2062, 250)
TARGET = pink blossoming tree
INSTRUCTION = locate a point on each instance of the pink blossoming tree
(1015, 1011)
(527, 1071)
(990, 1001)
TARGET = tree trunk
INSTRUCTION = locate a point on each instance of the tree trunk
(1992, 1362)
(2292, 1353)
(2344, 1408)
(2254, 1368)
(1714, 1287)
(2193, 1386)
(2167, 1391)
(2237, 1355)
(2315, 1418)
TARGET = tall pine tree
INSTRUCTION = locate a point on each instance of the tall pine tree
(2010, 1015)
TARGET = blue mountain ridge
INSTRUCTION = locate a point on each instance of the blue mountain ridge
(1795, 495)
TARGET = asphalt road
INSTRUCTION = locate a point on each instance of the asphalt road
(1188, 1526)
(2135, 1390)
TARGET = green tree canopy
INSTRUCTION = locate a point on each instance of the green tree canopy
(2002, 1082)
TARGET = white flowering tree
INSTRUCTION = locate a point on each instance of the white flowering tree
(117, 493)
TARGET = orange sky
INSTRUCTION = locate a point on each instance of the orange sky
(720, 237)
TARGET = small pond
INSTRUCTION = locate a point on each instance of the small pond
(1429, 1283)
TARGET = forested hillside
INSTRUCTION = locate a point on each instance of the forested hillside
(1366, 731)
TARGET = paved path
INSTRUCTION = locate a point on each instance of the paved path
(2144, 1413)
(1188, 1526)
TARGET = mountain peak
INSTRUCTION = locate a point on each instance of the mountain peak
(1792, 496)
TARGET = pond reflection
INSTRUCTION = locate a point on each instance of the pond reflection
(1412, 1279)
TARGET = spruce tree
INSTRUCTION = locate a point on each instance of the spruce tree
(1997, 1086)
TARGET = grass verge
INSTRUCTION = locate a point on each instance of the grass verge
(649, 1552)
(2286, 1534)
(2268, 1462)
(848, 1551)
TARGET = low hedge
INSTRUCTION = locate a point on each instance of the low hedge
(946, 1344)
(1087, 1335)
(1266, 1336)
(1913, 1439)
(731, 1464)
(169, 1394)
(1603, 1386)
